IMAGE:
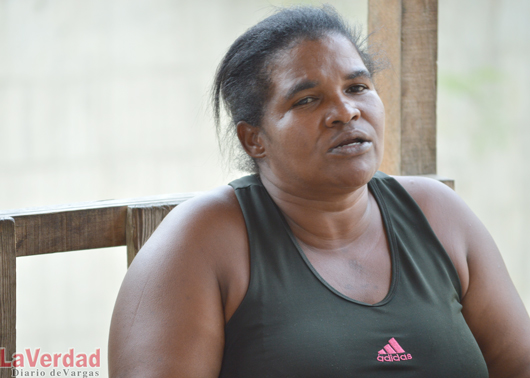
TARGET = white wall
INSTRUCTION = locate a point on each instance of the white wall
(483, 125)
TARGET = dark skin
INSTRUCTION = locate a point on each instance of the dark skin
(320, 143)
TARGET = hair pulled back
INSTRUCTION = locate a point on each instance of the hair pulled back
(242, 82)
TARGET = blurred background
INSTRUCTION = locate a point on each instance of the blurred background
(109, 99)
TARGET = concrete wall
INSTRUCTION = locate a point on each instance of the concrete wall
(109, 99)
(483, 126)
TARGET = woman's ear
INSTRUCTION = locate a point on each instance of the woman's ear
(251, 139)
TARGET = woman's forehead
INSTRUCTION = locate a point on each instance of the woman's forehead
(312, 60)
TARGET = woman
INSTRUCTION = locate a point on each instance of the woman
(318, 266)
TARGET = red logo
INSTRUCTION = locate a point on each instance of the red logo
(38, 359)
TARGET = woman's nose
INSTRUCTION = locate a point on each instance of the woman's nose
(342, 111)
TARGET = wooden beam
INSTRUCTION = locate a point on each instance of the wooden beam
(8, 290)
(419, 54)
(410, 93)
(70, 230)
(81, 226)
(142, 221)
(384, 28)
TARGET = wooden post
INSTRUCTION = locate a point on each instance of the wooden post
(142, 221)
(8, 291)
(406, 31)
(384, 27)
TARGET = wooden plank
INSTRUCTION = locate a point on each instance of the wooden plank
(419, 34)
(70, 231)
(142, 221)
(8, 290)
(384, 28)
(406, 31)
(75, 227)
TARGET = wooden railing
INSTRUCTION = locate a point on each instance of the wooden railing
(90, 225)
(405, 29)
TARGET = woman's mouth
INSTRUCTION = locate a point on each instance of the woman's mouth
(352, 147)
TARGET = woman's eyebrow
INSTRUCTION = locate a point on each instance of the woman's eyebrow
(359, 73)
(301, 86)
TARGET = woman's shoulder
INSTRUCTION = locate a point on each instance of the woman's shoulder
(208, 211)
(427, 191)
(186, 272)
(204, 236)
(220, 202)
(203, 227)
(448, 216)
(445, 210)
(430, 194)
(439, 202)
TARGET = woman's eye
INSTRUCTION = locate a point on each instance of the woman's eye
(357, 88)
(305, 101)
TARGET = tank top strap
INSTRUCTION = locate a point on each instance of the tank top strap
(264, 220)
(414, 234)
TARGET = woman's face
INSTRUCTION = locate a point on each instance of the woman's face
(323, 124)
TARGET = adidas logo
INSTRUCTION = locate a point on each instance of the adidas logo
(393, 352)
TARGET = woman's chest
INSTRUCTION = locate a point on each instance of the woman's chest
(304, 332)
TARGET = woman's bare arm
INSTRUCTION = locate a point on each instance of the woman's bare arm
(169, 317)
(491, 306)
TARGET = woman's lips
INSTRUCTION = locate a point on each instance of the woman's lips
(351, 147)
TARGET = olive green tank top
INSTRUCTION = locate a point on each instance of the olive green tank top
(292, 323)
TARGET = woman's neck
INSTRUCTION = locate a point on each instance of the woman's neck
(325, 221)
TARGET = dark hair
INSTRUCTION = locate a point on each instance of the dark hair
(242, 81)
